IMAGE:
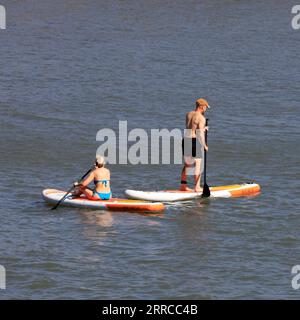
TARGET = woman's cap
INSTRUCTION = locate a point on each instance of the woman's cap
(100, 159)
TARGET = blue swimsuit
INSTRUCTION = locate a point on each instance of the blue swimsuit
(102, 196)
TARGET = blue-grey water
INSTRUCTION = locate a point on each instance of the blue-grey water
(69, 68)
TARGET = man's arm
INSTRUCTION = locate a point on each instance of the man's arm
(202, 129)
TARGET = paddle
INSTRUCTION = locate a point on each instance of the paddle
(64, 197)
(206, 191)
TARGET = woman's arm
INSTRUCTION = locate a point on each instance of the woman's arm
(88, 180)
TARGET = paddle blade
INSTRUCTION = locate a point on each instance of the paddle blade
(53, 208)
(58, 203)
(62, 199)
(206, 191)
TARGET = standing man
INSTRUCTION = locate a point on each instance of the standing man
(193, 143)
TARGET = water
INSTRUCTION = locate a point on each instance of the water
(69, 68)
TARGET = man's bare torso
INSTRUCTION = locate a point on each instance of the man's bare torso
(194, 121)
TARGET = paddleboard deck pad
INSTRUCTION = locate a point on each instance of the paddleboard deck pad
(235, 190)
(53, 196)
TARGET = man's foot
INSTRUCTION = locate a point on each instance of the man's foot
(198, 190)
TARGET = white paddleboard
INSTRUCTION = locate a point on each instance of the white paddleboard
(236, 190)
(53, 196)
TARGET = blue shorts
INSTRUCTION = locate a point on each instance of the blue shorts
(103, 196)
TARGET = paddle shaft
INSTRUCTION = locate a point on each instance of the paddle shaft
(64, 197)
(205, 155)
(206, 191)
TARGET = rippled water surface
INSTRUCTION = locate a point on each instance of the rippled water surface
(69, 68)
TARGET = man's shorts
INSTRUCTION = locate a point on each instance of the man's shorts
(191, 147)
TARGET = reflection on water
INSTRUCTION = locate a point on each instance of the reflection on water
(100, 218)
(99, 225)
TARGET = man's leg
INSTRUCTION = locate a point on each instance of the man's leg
(187, 165)
(197, 175)
(183, 184)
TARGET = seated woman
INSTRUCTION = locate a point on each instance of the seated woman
(101, 178)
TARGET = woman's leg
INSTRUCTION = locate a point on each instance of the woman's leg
(89, 193)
